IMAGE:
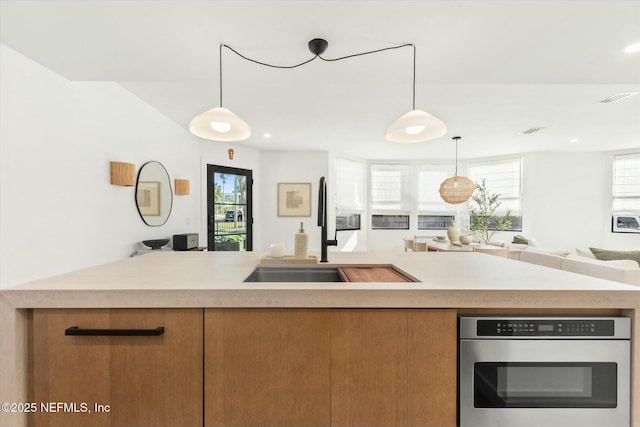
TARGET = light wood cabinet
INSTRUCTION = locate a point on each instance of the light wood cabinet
(393, 367)
(139, 380)
(245, 367)
(267, 367)
(340, 367)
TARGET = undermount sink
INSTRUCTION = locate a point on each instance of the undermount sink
(294, 274)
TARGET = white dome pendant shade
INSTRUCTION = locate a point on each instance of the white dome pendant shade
(220, 124)
(416, 126)
(456, 189)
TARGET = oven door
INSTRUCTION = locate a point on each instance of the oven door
(544, 383)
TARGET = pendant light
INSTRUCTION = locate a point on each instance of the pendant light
(416, 125)
(457, 189)
(220, 124)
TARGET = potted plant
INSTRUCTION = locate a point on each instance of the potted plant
(229, 243)
(482, 213)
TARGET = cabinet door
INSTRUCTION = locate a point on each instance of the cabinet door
(393, 367)
(267, 367)
(138, 380)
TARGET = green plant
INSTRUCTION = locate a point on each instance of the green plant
(235, 238)
(484, 222)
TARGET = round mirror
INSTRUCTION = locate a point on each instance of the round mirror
(154, 196)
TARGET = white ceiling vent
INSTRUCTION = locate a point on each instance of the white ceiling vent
(531, 130)
(617, 97)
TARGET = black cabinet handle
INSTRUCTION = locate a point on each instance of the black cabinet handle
(76, 331)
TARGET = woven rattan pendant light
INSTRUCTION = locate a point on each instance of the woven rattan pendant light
(457, 189)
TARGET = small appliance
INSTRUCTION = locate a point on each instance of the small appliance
(185, 242)
(544, 371)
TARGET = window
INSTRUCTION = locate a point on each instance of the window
(626, 183)
(434, 222)
(350, 179)
(346, 221)
(626, 193)
(433, 212)
(429, 179)
(502, 177)
(390, 196)
(390, 222)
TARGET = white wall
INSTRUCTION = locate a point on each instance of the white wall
(290, 166)
(58, 210)
(567, 198)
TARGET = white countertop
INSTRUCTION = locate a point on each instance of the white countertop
(463, 281)
(216, 279)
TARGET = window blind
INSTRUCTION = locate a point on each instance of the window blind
(504, 178)
(350, 183)
(390, 188)
(626, 182)
(429, 179)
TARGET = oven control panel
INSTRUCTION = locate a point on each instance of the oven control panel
(546, 327)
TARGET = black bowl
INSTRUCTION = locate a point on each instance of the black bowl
(155, 244)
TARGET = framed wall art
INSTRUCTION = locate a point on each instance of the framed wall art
(294, 199)
(148, 198)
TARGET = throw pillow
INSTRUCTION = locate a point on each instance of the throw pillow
(607, 255)
(586, 254)
(520, 239)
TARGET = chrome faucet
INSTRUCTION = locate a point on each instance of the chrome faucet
(322, 220)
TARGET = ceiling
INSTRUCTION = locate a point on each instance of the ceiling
(489, 69)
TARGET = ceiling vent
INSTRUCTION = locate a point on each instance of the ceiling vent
(531, 130)
(617, 97)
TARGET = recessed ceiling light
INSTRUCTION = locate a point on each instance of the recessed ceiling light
(267, 135)
(632, 48)
(573, 140)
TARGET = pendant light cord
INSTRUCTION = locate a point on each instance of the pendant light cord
(456, 138)
(324, 59)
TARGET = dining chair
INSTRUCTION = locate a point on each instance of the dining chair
(497, 251)
(408, 244)
(419, 246)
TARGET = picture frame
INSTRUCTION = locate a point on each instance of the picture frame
(294, 199)
(148, 198)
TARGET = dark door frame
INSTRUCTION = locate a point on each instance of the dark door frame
(248, 173)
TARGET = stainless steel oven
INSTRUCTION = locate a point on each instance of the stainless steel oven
(544, 371)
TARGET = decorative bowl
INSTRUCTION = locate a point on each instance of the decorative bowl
(466, 239)
(156, 243)
(441, 238)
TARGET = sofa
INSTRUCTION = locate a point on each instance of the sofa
(624, 270)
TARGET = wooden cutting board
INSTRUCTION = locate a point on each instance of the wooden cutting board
(371, 274)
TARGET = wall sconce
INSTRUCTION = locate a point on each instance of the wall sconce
(231, 152)
(182, 187)
(123, 174)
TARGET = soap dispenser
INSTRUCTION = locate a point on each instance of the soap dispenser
(301, 244)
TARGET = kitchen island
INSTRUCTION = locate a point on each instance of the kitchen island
(469, 283)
